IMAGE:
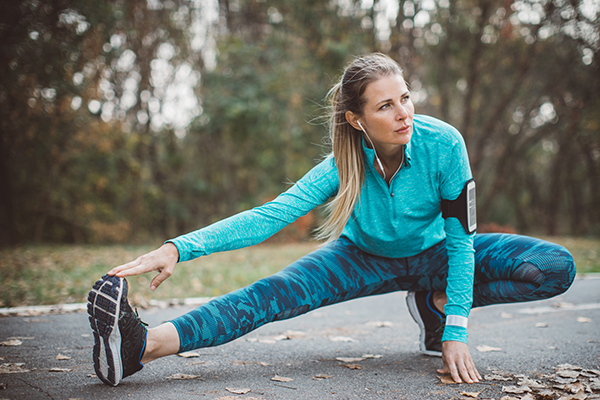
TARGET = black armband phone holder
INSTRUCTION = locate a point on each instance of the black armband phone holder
(463, 208)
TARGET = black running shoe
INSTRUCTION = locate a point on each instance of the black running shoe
(119, 334)
(429, 319)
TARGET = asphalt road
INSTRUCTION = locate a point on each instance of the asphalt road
(529, 339)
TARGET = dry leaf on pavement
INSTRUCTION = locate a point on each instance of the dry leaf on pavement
(189, 354)
(567, 373)
(278, 378)
(583, 319)
(183, 377)
(485, 349)
(372, 356)
(569, 366)
(496, 377)
(352, 366)
(516, 389)
(60, 370)
(62, 357)
(342, 339)
(472, 394)
(238, 391)
(320, 377)
(349, 359)
(11, 342)
(447, 380)
(13, 368)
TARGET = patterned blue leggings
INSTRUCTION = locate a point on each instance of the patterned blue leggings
(508, 268)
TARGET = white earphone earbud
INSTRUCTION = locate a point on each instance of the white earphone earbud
(361, 127)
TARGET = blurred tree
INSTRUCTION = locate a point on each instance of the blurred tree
(130, 120)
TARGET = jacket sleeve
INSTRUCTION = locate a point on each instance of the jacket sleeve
(258, 224)
(459, 244)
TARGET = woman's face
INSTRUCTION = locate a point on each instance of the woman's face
(388, 113)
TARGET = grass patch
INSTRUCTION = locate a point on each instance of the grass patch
(37, 275)
(45, 274)
(585, 251)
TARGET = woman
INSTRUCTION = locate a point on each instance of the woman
(389, 175)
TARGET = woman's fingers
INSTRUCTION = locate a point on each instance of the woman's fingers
(458, 363)
(162, 260)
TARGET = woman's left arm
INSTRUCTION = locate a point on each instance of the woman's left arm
(461, 266)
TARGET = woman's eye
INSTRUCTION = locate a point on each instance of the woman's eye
(383, 107)
(406, 98)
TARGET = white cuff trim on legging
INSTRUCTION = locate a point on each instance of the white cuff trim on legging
(456, 320)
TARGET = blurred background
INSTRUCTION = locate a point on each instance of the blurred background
(132, 121)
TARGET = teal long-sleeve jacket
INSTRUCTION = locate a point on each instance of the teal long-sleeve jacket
(399, 220)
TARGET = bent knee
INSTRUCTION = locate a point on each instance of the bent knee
(553, 273)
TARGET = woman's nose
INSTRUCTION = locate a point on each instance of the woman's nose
(402, 113)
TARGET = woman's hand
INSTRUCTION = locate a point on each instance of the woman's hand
(458, 362)
(162, 260)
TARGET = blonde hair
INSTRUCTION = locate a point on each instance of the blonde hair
(346, 141)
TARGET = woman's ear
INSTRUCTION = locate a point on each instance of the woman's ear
(353, 120)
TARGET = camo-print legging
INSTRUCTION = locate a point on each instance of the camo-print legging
(508, 268)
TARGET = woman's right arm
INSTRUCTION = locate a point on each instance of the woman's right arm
(241, 230)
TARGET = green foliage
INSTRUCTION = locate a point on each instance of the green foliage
(127, 121)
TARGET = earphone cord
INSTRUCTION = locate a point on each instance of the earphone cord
(374, 150)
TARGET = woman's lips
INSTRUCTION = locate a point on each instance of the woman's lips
(404, 129)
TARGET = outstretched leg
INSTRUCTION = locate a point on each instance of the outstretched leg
(336, 272)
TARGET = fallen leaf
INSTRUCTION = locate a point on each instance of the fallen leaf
(280, 337)
(294, 334)
(472, 394)
(485, 349)
(545, 394)
(380, 324)
(583, 319)
(189, 354)
(61, 357)
(515, 389)
(342, 339)
(320, 377)
(11, 342)
(13, 368)
(447, 380)
(238, 391)
(541, 325)
(278, 378)
(569, 366)
(496, 377)
(575, 387)
(349, 359)
(372, 356)
(92, 376)
(183, 377)
(531, 383)
(268, 341)
(60, 370)
(528, 396)
(353, 366)
(567, 373)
